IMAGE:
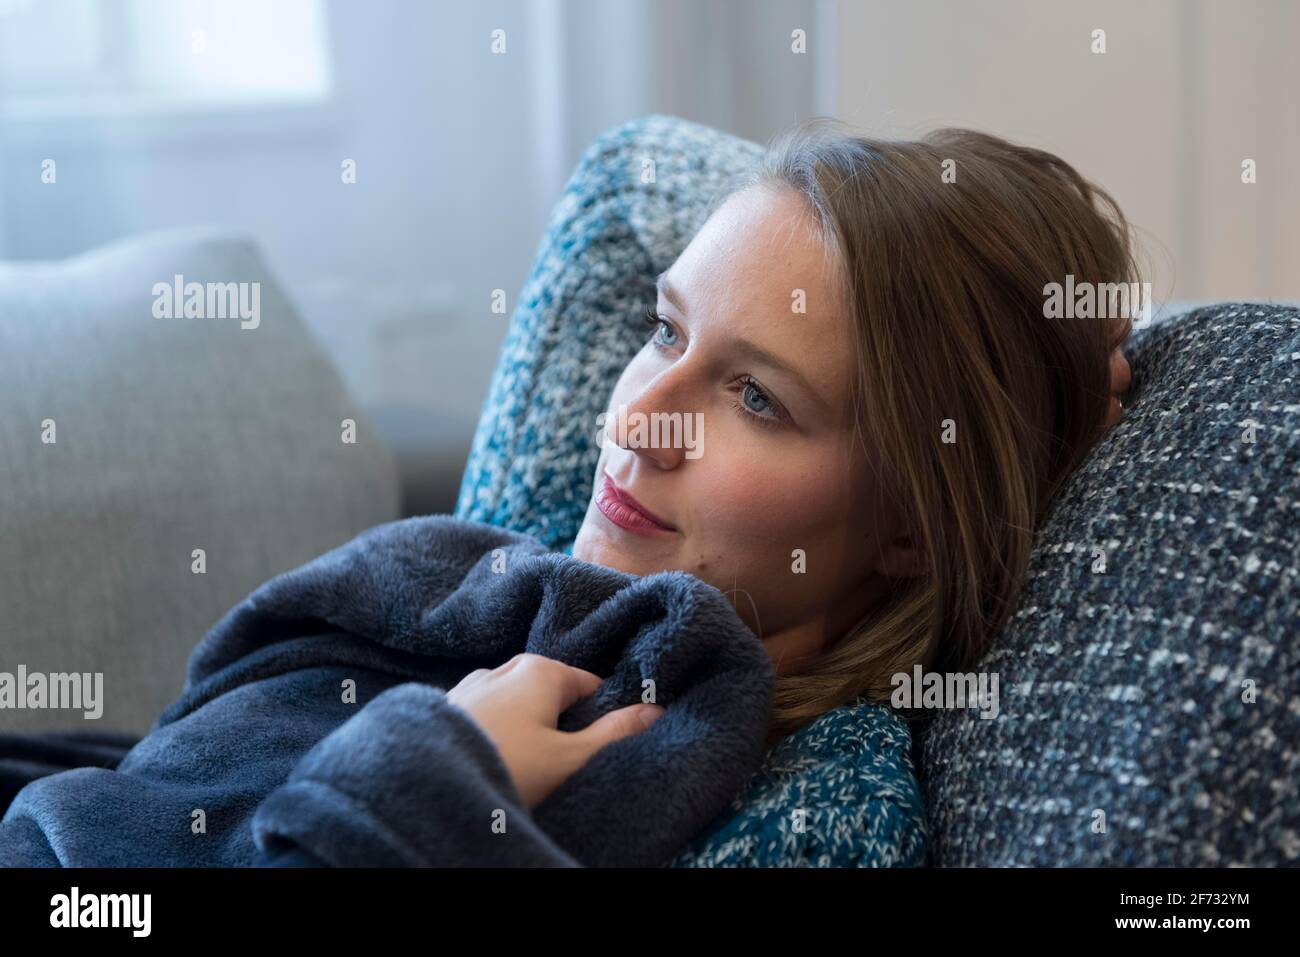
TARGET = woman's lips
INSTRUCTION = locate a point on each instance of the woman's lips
(625, 511)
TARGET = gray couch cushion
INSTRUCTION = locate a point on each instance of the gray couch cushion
(1125, 691)
(171, 435)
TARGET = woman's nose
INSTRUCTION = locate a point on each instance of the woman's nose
(652, 424)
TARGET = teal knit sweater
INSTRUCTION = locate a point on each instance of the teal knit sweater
(839, 792)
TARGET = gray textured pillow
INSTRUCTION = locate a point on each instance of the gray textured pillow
(1122, 690)
(171, 435)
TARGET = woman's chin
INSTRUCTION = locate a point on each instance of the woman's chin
(596, 546)
(591, 546)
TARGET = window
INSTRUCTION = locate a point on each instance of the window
(80, 57)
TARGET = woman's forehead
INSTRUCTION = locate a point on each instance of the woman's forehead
(762, 247)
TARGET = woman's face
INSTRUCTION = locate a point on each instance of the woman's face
(771, 499)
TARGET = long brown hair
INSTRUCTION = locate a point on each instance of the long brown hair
(945, 247)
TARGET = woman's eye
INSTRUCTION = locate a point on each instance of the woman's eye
(660, 325)
(766, 412)
(752, 391)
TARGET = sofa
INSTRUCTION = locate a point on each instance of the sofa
(1149, 714)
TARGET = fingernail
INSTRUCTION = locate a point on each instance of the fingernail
(650, 714)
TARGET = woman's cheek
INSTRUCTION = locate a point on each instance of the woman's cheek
(762, 497)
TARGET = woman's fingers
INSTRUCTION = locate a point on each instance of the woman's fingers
(613, 726)
(552, 682)
(517, 706)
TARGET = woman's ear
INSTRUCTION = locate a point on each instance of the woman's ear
(902, 557)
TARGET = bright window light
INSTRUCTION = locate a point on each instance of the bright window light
(93, 56)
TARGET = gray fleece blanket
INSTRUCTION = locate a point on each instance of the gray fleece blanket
(314, 726)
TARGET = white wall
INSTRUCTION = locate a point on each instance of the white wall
(1186, 90)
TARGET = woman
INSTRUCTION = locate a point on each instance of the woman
(888, 415)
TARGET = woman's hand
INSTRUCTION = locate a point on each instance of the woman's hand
(1121, 376)
(518, 706)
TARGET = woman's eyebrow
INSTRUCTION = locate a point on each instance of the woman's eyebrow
(665, 288)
